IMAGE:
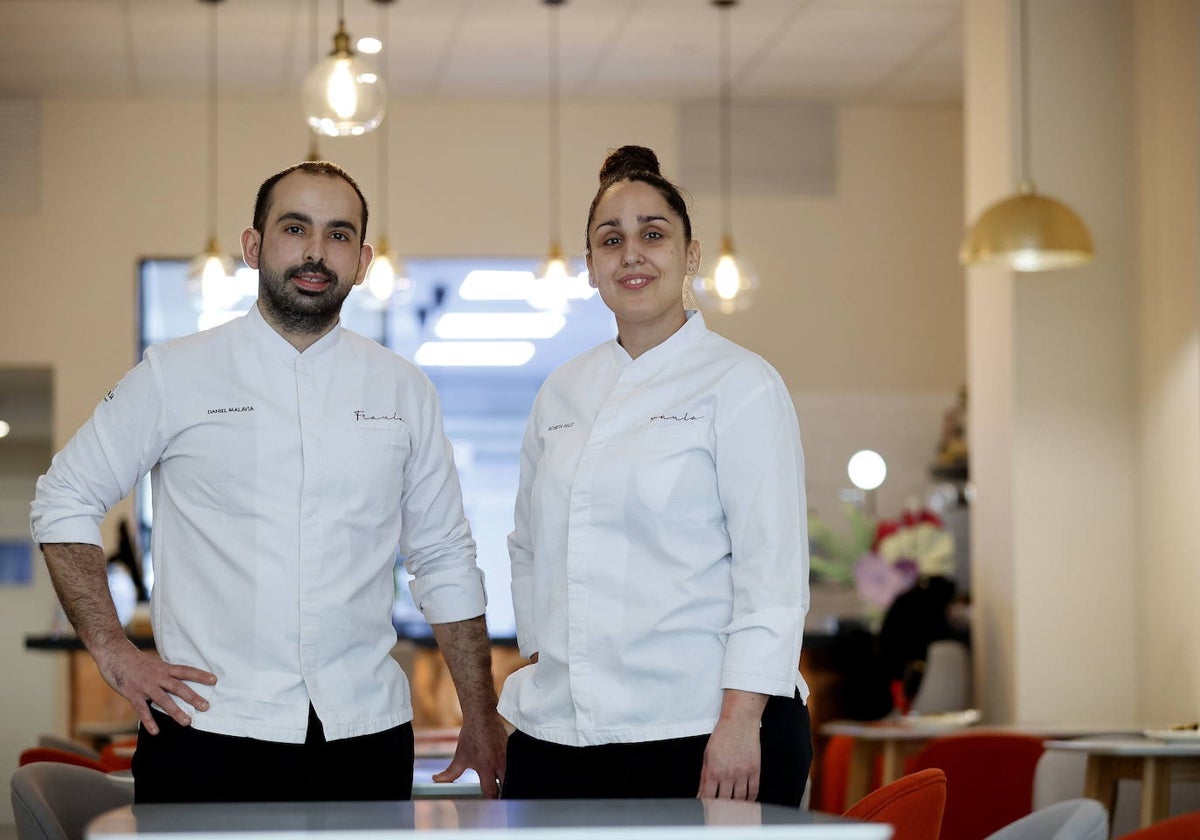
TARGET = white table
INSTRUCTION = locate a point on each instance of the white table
(465, 786)
(479, 819)
(1135, 757)
(897, 740)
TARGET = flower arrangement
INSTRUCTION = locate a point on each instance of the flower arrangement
(883, 559)
(905, 549)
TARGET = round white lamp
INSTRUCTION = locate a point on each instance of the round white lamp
(867, 470)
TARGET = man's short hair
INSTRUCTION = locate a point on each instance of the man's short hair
(262, 204)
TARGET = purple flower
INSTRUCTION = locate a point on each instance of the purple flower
(879, 582)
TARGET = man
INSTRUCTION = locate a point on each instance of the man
(290, 459)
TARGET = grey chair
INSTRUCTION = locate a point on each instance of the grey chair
(946, 683)
(52, 800)
(58, 742)
(1071, 819)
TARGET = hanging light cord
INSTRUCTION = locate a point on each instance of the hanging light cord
(1026, 144)
(212, 119)
(726, 122)
(383, 129)
(555, 122)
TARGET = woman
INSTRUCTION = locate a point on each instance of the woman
(660, 552)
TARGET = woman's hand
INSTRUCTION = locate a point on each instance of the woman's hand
(732, 759)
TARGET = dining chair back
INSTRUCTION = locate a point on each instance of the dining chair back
(989, 779)
(946, 679)
(53, 800)
(1071, 819)
(33, 755)
(1181, 827)
(59, 742)
(912, 805)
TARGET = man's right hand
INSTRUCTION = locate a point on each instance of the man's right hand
(143, 678)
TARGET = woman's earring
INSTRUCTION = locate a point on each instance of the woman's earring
(592, 281)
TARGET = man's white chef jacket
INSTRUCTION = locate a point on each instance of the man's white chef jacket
(660, 549)
(283, 485)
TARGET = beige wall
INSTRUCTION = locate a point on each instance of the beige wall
(1167, 202)
(1085, 382)
(861, 305)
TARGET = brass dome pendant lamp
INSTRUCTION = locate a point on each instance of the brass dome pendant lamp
(1028, 231)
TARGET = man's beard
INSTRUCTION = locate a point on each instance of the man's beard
(294, 309)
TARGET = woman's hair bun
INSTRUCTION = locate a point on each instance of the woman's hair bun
(626, 160)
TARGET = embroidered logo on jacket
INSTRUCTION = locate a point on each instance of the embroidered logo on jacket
(676, 418)
(362, 415)
(560, 426)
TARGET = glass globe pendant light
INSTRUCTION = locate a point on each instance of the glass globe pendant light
(552, 274)
(343, 95)
(731, 284)
(208, 270)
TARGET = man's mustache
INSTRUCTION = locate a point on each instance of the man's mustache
(312, 268)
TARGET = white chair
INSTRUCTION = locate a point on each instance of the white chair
(946, 680)
(1071, 819)
(55, 801)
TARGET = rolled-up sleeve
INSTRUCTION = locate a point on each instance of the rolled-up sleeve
(102, 462)
(436, 539)
(760, 478)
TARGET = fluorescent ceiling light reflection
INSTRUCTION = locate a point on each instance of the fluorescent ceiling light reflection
(499, 325)
(522, 285)
(474, 353)
(496, 285)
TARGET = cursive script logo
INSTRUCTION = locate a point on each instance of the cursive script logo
(556, 427)
(677, 418)
(233, 409)
(362, 415)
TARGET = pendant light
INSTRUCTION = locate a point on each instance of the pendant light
(386, 280)
(208, 270)
(1028, 231)
(552, 274)
(732, 282)
(343, 94)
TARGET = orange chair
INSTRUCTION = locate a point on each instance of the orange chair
(118, 754)
(834, 769)
(989, 779)
(33, 754)
(912, 805)
(1183, 827)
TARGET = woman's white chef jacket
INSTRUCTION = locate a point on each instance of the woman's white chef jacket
(660, 549)
(283, 485)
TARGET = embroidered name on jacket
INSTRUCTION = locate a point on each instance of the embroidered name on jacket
(233, 409)
(362, 415)
(683, 417)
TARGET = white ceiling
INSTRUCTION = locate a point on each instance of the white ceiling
(894, 51)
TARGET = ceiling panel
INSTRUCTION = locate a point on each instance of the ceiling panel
(884, 50)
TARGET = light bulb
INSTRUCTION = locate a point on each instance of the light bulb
(339, 90)
(381, 277)
(342, 93)
(726, 280)
(209, 275)
(731, 285)
(552, 284)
